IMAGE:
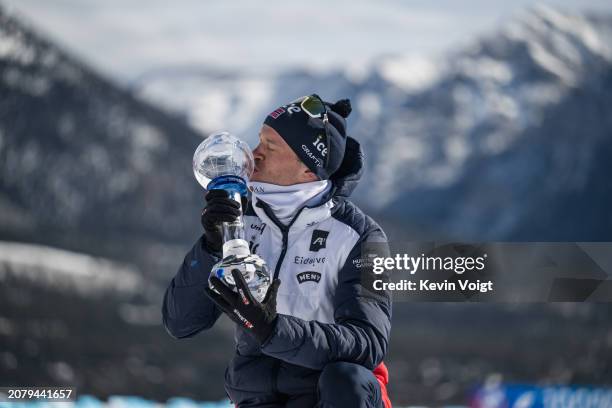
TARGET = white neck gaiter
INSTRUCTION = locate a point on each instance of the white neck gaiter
(285, 201)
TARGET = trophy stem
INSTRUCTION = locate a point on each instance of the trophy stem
(235, 244)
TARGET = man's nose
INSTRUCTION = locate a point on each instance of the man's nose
(257, 154)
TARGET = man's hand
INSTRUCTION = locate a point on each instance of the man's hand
(219, 208)
(257, 318)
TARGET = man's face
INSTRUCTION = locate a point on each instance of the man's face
(276, 163)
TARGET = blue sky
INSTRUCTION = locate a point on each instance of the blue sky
(124, 39)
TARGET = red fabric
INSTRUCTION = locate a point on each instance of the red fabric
(382, 375)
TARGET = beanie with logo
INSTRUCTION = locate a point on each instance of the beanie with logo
(318, 142)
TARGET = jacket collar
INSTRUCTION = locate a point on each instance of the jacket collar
(305, 217)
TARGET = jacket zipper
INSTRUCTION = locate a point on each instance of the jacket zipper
(284, 230)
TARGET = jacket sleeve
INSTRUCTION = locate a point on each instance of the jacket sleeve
(362, 318)
(186, 308)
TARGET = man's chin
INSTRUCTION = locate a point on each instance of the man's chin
(258, 178)
(263, 179)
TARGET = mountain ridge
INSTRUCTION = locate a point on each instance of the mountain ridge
(456, 145)
(96, 159)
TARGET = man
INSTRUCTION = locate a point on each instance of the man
(320, 335)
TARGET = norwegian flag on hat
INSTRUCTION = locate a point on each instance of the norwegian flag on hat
(277, 113)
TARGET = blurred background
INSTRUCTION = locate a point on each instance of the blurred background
(481, 121)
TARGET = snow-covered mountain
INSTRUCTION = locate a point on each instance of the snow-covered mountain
(503, 138)
(81, 157)
(68, 271)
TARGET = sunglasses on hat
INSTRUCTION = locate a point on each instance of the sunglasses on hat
(314, 107)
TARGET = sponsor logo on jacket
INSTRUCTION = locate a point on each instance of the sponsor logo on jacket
(304, 260)
(318, 240)
(259, 227)
(253, 247)
(308, 276)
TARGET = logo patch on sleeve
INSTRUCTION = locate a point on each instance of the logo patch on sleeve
(308, 276)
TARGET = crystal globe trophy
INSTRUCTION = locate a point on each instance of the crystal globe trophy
(224, 162)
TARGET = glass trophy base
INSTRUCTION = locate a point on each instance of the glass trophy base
(252, 268)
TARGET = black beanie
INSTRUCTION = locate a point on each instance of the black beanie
(308, 138)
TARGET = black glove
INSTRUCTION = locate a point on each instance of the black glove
(257, 318)
(219, 208)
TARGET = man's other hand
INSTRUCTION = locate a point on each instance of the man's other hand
(257, 318)
(219, 208)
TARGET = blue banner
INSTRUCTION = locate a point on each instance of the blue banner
(526, 396)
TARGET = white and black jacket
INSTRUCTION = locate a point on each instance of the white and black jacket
(326, 313)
